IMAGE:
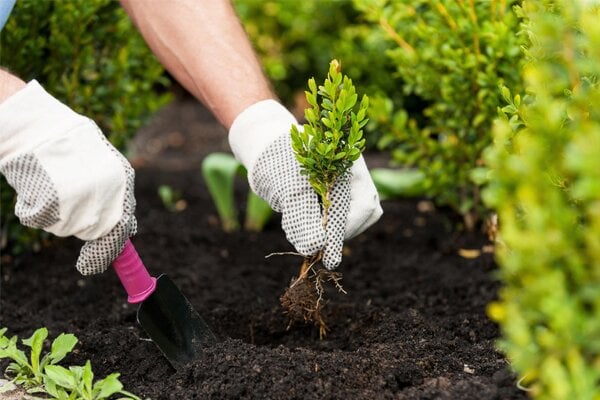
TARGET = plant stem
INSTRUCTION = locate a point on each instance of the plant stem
(326, 204)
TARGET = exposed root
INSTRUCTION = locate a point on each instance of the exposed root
(304, 299)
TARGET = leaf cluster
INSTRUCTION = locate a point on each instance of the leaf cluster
(332, 139)
(29, 371)
(77, 382)
(39, 372)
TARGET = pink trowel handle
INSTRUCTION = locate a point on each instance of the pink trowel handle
(133, 275)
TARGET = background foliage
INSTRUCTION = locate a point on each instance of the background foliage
(546, 188)
(296, 40)
(89, 56)
(452, 55)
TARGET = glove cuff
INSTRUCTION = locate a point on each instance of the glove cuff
(255, 128)
(31, 117)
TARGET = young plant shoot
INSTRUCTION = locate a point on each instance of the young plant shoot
(39, 373)
(327, 146)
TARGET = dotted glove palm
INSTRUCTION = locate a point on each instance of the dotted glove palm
(69, 179)
(260, 139)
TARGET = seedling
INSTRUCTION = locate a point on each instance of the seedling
(41, 374)
(219, 171)
(78, 383)
(171, 198)
(29, 371)
(327, 146)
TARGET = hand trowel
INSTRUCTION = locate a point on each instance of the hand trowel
(165, 314)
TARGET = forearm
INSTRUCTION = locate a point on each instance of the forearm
(9, 85)
(203, 45)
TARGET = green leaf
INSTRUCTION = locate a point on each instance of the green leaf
(327, 122)
(312, 85)
(219, 171)
(310, 115)
(505, 93)
(61, 376)
(36, 342)
(108, 386)
(480, 175)
(509, 109)
(258, 213)
(87, 377)
(361, 114)
(393, 183)
(61, 346)
(364, 103)
(350, 102)
(54, 390)
(10, 350)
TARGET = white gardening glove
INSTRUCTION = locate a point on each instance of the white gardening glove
(260, 139)
(69, 179)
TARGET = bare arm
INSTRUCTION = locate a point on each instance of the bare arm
(204, 46)
(9, 85)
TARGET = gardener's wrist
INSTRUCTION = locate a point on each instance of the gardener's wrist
(9, 85)
(257, 127)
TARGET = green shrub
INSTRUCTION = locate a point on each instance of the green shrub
(451, 56)
(546, 188)
(88, 55)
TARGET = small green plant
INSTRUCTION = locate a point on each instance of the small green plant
(220, 171)
(29, 371)
(171, 198)
(40, 373)
(77, 382)
(327, 146)
(332, 137)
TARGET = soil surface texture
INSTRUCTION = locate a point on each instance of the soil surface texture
(411, 326)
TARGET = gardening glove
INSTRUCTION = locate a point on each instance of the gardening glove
(69, 179)
(260, 139)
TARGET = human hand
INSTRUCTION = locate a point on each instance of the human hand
(260, 139)
(69, 179)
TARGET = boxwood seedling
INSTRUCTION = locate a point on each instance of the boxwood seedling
(327, 146)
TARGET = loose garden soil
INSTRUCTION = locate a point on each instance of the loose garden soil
(411, 326)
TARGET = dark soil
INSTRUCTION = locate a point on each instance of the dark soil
(412, 326)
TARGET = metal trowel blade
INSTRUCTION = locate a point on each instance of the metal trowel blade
(173, 324)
